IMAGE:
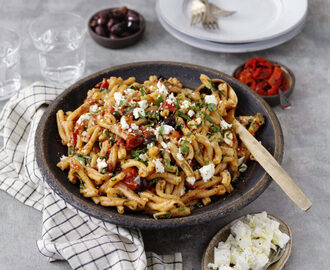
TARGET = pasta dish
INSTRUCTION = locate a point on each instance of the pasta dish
(156, 147)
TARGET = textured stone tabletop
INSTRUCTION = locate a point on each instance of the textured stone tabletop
(306, 129)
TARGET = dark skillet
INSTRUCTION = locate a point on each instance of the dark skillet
(249, 186)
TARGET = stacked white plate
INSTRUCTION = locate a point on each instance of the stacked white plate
(256, 25)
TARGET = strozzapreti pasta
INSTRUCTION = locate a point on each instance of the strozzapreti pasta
(156, 147)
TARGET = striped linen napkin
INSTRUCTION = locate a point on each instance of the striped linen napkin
(67, 233)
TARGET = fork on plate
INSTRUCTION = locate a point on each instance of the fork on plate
(207, 13)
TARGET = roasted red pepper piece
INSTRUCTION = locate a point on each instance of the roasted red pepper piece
(130, 174)
(133, 141)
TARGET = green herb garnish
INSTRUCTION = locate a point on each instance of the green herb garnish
(184, 116)
(184, 148)
(143, 90)
(207, 117)
(107, 133)
(122, 103)
(159, 100)
(71, 150)
(161, 130)
(83, 159)
(211, 107)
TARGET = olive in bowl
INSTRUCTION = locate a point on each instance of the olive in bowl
(266, 78)
(116, 27)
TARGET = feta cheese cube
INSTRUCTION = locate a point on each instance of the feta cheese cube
(123, 123)
(159, 165)
(93, 108)
(211, 99)
(191, 180)
(101, 164)
(83, 117)
(134, 126)
(137, 112)
(162, 89)
(207, 171)
(191, 113)
(143, 104)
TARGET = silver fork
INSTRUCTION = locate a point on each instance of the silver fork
(210, 21)
(275, 257)
(198, 12)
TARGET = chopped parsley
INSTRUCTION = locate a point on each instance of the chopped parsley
(189, 134)
(166, 215)
(71, 150)
(161, 130)
(181, 208)
(159, 100)
(122, 103)
(107, 133)
(155, 180)
(207, 117)
(83, 159)
(215, 129)
(211, 107)
(212, 86)
(184, 148)
(104, 170)
(131, 87)
(143, 90)
(183, 115)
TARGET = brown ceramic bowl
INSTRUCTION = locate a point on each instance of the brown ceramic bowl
(289, 76)
(222, 235)
(117, 43)
(249, 186)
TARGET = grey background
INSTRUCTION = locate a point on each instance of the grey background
(306, 132)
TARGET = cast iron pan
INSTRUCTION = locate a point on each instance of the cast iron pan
(249, 186)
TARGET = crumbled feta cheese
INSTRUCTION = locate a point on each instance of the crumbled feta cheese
(228, 138)
(137, 112)
(129, 91)
(171, 99)
(123, 123)
(164, 145)
(179, 156)
(134, 126)
(249, 244)
(93, 108)
(225, 125)
(242, 167)
(191, 180)
(162, 89)
(143, 104)
(63, 157)
(159, 166)
(101, 164)
(207, 171)
(84, 134)
(83, 117)
(185, 104)
(118, 98)
(191, 113)
(211, 99)
(165, 130)
(144, 157)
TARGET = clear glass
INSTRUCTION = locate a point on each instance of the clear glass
(60, 39)
(10, 77)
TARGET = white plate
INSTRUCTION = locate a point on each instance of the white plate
(254, 20)
(229, 48)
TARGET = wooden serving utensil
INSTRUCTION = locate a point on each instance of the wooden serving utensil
(271, 166)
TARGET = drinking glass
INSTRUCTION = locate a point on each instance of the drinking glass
(60, 39)
(10, 77)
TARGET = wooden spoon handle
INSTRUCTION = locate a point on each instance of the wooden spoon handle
(271, 166)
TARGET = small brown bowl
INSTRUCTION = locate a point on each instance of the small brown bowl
(222, 235)
(275, 100)
(120, 42)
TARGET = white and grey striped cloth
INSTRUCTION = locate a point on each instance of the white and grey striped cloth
(67, 234)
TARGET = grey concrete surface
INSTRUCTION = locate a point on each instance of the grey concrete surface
(306, 129)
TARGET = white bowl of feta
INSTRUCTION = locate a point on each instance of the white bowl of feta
(247, 243)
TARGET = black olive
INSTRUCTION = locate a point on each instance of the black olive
(118, 14)
(150, 139)
(123, 9)
(143, 184)
(93, 23)
(102, 18)
(133, 27)
(100, 30)
(117, 115)
(205, 91)
(118, 28)
(170, 120)
(111, 23)
(161, 78)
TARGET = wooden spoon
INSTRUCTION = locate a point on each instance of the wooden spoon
(271, 166)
